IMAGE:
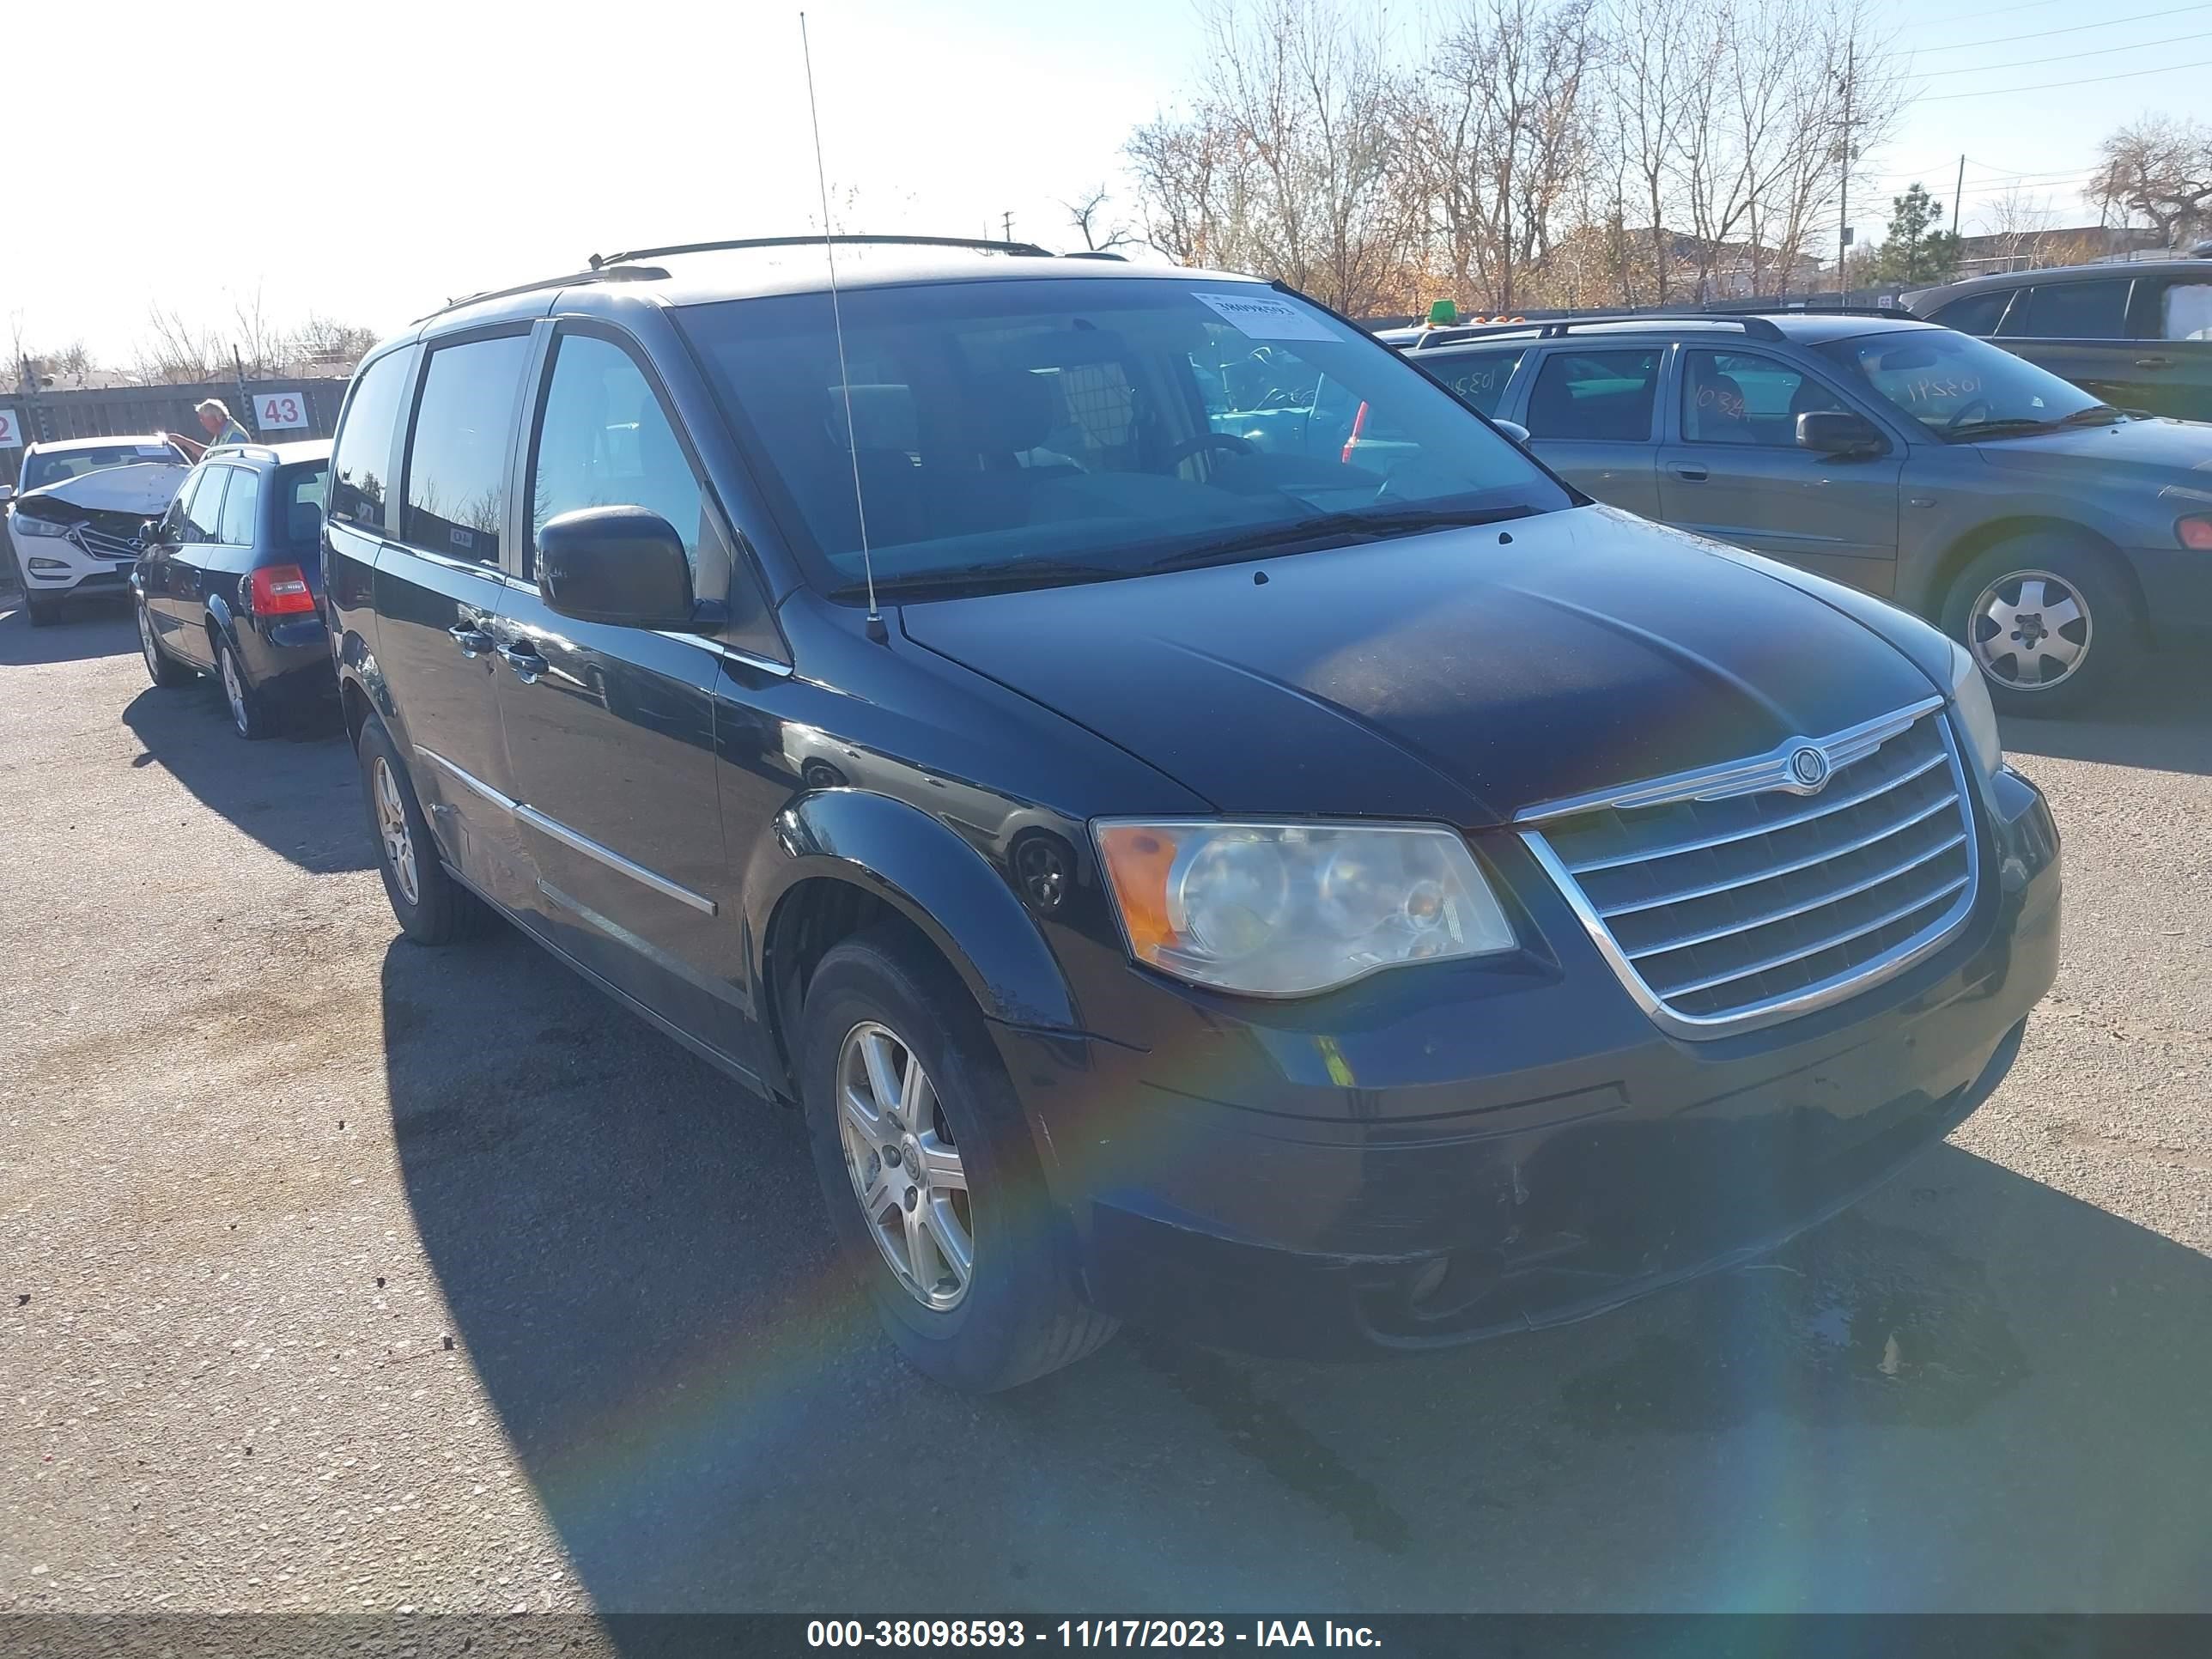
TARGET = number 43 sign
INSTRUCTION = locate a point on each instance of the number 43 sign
(279, 411)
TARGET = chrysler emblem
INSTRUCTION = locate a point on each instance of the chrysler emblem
(1809, 767)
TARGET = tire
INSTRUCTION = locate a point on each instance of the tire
(41, 614)
(162, 668)
(1016, 1315)
(432, 908)
(250, 716)
(2052, 666)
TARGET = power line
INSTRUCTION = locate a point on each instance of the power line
(2060, 56)
(2073, 28)
(1992, 11)
(2086, 79)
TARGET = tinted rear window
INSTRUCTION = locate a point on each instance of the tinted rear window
(364, 446)
(2072, 311)
(1977, 313)
(1594, 394)
(1477, 379)
(300, 493)
(457, 460)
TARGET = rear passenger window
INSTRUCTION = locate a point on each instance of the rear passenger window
(1978, 313)
(457, 458)
(1477, 379)
(2185, 312)
(1594, 394)
(203, 505)
(239, 507)
(605, 441)
(364, 446)
(2073, 311)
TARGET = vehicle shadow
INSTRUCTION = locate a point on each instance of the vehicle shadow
(86, 629)
(298, 793)
(2160, 720)
(1969, 1391)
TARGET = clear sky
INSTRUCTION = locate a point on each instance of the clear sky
(369, 161)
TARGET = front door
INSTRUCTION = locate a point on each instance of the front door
(611, 729)
(1589, 415)
(439, 586)
(179, 607)
(1732, 469)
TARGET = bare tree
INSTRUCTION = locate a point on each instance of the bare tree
(174, 352)
(1100, 234)
(1188, 170)
(2161, 168)
(2016, 223)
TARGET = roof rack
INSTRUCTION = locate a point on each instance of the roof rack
(1552, 328)
(626, 274)
(252, 452)
(1027, 250)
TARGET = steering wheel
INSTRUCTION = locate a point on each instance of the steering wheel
(1960, 419)
(1190, 447)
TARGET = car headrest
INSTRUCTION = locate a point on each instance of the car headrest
(1013, 411)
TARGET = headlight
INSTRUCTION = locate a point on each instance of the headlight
(31, 527)
(1287, 909)
(1978, 719)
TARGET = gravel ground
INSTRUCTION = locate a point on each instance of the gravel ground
(343, 1275)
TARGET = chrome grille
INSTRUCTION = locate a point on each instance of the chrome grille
(102, 544)
(1740, 896)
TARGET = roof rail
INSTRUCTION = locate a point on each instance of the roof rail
(626, 274)
(252, 452)
(1028, 250)
(1552, 328)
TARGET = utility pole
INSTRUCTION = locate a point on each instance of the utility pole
(1957, 191)
(1844, 204)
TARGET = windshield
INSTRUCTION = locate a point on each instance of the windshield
(55, 466)
(1012, 433)
(1960, 387)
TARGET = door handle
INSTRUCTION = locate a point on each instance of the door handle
(526, 664)
(473, 640)
(1694, 474)
(2153, 362)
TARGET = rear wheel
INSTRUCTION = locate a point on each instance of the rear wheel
(432, 908)
(934, 1187)
(250, 713)
(2050, 621)
(162, 668)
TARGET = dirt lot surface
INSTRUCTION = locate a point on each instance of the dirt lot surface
(344, 1275)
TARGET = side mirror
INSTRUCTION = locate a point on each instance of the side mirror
(1514, 430)
(7, 492)
(624, 565)
(1838, 432)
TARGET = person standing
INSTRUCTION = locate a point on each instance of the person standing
(217, 421)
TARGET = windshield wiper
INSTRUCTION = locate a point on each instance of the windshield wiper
(1338, 526)
(993, 578)
(2095, 415)
(2021, 425)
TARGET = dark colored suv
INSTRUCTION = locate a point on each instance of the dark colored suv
(2138, 335)
(1305, 902)
(2056, 537)
(229, 583)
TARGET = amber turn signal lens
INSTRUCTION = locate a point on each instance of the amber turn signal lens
(1138, 860)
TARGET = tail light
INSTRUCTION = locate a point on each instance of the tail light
(1359, 426)
(281, 590)
(2196, 533)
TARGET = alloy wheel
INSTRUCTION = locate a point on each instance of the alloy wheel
(2030, 630)
(234, 689)
(392, 828)
(146, 642)
(906, 1171)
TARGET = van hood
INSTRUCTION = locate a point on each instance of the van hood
(1461, 676)
(2157, 452)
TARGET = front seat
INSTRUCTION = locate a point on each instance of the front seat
(1717, 413)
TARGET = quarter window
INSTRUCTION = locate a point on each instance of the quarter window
(2185, 312)
(203, 508)
(364, 446)
(456, 460)
(1738, 397)
(239, 507)
(2073, 311)
(1594, 394)
(1477, 379)
(605, 441)
(1978, 313)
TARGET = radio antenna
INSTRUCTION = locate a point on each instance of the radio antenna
(875, 629)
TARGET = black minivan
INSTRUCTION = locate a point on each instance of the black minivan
(1318, 898)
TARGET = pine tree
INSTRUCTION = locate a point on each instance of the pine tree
(1914, 250)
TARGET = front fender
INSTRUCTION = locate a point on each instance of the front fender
(932, 877)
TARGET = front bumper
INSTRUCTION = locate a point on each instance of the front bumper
(1595, 1160)
(56, 565)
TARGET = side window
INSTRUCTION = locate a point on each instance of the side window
(1594, 394)
(1478, 379)
(604, 441)
(203, 505)
(1743, 397)
(2072, 311)
(2185, 312)
(241, 508)
(364, 446)
(1977, 313)
(457, 458)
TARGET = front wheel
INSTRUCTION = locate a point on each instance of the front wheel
(432, 908)
(933, 1186)
(40, 612)
(2050, 621)
(162, 668)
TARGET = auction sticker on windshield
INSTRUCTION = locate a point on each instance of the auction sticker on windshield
(1264, 317)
